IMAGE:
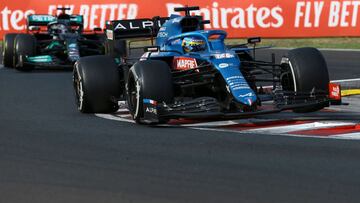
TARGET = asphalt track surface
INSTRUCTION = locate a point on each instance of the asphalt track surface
(49, 152)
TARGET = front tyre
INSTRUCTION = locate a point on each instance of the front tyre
(25, 45)
(307, 71)
(96, 83)
(150, 79)
(8, 50)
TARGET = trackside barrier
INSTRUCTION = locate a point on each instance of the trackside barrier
(245, 18)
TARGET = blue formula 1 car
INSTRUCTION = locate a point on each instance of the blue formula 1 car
(190, 73)
(51, 41)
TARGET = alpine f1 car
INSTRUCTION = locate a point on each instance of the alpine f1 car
(51, 41)
(190, 73)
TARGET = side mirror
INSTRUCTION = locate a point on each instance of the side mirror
(204, 22)
(254, 40)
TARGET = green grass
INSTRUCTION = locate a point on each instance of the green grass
(334, 43)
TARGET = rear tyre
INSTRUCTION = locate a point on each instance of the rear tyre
(25, 45)
(149, 79)
(96, 82)
(308, 71)
(8, 50)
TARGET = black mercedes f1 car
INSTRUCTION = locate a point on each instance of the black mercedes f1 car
(51, 41)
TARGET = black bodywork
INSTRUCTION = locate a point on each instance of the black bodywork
(63, 41)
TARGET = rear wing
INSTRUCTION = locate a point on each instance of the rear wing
(40, 20)
(136, 28)
(44, 20)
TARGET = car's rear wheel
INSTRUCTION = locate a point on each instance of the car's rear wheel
(307, 71)
(149, 79)
(96, 82)
(8, 50)
(25, 45)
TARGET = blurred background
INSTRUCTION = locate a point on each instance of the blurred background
(322, 24)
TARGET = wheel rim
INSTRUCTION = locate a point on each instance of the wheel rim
(3, 52)
(133, 92)
(287, 79)
(78, 86)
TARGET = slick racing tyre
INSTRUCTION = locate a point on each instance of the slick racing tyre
(8, 50)
(150, 79)
(25, 45)
(96, 82)
(308, 71)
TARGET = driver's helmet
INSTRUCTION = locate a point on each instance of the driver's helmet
(193, 44)
(58, 28)
(64, 16)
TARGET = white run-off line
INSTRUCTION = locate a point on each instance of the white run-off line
(348, 136)
(332, 81)
(346, 80)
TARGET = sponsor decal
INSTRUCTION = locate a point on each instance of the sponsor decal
(184, 63)
(176, 42)
(134, 25)
(110, 34)
(283, 18)
(149, 101)
(223, 56)
(77, 19)
(162, 34)
(250, 94)
(42, 18)
(223, 65)
(334, 91)
(235, 77)
(237, 82)
(151, 110)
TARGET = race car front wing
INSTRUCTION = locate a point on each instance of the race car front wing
(208, 107)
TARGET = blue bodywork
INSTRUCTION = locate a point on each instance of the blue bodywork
(225, 60)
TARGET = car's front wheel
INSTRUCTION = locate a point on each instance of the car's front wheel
(307, 71)
(25, 45)
(151, 80)
(96, 83)
(8, 50)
